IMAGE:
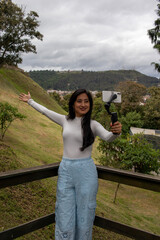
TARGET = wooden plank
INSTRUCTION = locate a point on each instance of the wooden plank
(104, 223)
(16, 177)
(129, 178)
(12, 178)
(28, 227)
(124, 230)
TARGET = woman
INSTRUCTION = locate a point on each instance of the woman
(77, 184)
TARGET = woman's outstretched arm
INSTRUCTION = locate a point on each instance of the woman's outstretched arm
(55, 117)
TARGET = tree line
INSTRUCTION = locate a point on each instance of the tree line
(103, 80)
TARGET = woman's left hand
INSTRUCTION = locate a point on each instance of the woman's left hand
(116, 127)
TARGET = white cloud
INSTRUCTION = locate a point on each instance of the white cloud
(93, 35)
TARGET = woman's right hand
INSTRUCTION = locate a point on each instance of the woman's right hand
(24, 97)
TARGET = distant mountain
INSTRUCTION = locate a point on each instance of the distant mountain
(104, 80)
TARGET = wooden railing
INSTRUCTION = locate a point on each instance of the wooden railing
(16, 177)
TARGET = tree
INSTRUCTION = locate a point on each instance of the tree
(55, 96)
(132, 96)
(133, 152)
(111, 152)
(7, 115)
(16, 32)
(152, 109)
(154, 35)
(99, 112)
(141, 155)
(132, 119)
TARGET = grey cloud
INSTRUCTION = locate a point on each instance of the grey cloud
(93, 35)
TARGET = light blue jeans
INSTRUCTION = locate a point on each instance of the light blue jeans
(77, 188)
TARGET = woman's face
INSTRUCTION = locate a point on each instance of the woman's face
(81, 105)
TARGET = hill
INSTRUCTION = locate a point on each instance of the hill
(37, 141)
(106, 80)
(36, 131)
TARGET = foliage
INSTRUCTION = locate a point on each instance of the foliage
(111, 152)
(133, 152)
(154, 35)
(99, 112)
(141, 155)
(56, 96)
(152, 109)
(132, 96)
(104, 80)
(7, 115)
(65, 101)
(132, 119)
(16, 32)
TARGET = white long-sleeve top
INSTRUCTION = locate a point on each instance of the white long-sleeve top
(72, 132)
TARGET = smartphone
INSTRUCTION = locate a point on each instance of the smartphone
(107, 96)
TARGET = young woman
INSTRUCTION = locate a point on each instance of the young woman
(77, 184)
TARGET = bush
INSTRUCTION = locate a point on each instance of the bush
(7, 115)
(133, 152)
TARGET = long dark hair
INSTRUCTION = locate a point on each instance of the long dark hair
(88, 137)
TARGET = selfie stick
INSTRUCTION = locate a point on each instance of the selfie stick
(114, 117)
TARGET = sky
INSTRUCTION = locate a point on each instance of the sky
(93, 35)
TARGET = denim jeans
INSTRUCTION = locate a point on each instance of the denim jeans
(77, 188)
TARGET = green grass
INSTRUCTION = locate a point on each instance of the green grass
(37, 141)
(135, 207)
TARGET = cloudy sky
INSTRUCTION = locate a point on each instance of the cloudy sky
(93, 35)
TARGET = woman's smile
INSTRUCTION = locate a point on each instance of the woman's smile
(81, 105)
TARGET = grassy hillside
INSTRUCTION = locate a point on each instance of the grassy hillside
(37, 141)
